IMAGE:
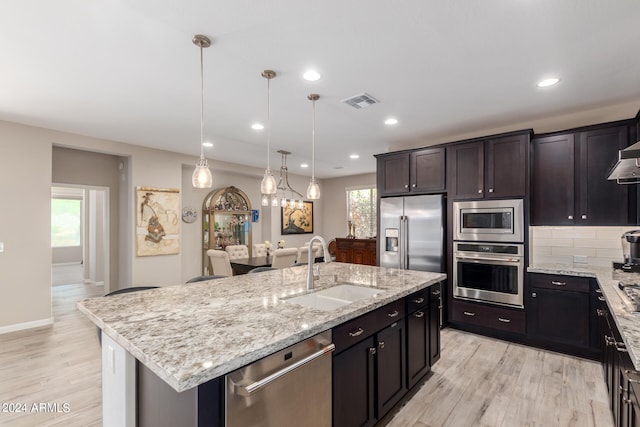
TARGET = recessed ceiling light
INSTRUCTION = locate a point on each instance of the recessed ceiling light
(311, 75)
(354, 156)
(548, 82)
(391, 121)
(304, 165)
(207, 144)
(257, 126)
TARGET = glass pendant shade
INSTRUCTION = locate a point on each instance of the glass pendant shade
(313, 190)
(201, 177)
(265, 200)
(268, 185)
(274, 201)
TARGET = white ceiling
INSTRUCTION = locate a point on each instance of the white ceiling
(127, 70)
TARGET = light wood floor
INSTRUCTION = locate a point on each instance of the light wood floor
(54, 364)
(478, 381)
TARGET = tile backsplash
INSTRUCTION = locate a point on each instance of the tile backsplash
(600, 245)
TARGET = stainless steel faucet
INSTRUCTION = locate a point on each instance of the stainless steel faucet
(327, 258)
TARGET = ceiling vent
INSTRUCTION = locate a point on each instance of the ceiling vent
(362, 100)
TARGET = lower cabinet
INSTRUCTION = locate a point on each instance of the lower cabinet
(356, 251)
(561, 314)
(487, 317)
(379, 356)
(623, 381)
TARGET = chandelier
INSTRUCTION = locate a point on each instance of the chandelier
(285, 193)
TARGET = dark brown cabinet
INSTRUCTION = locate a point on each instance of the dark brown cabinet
(390, 367)
(479, 317)
(569, 185)
(491, 168)
(420, 171)
(561, 313)
(418, 336)
(356, 251)
(435, 322)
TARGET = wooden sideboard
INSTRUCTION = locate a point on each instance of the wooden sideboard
(356, 251)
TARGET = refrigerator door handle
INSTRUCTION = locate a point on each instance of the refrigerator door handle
(404, 252)
(406, 243)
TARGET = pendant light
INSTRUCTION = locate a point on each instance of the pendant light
(268, 186)
(202, 175)
(313, 190)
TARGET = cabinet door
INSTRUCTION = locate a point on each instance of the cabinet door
(467, 170)
(393, 174)
(417, 346)
(390, 367)
(560, 317)
(428, 170)
(343, 255)
(435, 310)
(506, 166)
(552, 195)
(600, 201)
(353, 385)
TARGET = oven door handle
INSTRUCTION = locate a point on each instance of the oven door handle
(504, 260)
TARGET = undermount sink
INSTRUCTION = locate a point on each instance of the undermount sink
(334, 297)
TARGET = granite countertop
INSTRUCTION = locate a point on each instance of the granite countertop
(627, 320)
(190, 334)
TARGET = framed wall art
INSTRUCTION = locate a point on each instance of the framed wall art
(297, 220)
(157, 221)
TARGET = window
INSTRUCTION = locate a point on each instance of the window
(66, 220)
(361, 210)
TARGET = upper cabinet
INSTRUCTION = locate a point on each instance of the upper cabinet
(419, 172)
(569, 179)
(490, 168)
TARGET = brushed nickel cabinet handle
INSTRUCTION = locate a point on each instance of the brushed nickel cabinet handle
(503, 320)
(469, 313)
(419, 300)
(372, 350)
(414, 186)
(406, 186)
(601, 298)
(435, 293)
(584, 217)
(357, 332)
(419, 314)
(534, 295)
(394, 313)
(554, 282)
(381, 344)
(598, 291)
(570, 217)
(480, 191)
(491, 190)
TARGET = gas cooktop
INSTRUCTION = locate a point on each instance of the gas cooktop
(632, 292)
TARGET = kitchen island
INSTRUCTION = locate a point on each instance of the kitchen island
(188, 335)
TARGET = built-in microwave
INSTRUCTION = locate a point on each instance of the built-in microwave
(489, 221)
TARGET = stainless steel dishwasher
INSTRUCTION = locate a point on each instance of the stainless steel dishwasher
(289, 388)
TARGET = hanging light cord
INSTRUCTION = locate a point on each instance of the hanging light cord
(201, 104)
(268, 121)
(313, 143)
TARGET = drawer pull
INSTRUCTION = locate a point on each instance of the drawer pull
(632, 380)
(503, 320)
(598, 291)
(418, 300)
(381, 344)
(601, 312)
(601, 299)
(372, 350)
(419, 314)
(357, 332)
(553, 282)
(469, 313)
(435, 293)
(394, 313)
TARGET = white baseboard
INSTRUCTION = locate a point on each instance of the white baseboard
(26, 325)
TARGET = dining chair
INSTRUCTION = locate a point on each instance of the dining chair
(237, 251)
(317, 249)
(204, 278)
(303, 255)
(284, 257)
(220, 262)
(259, 249)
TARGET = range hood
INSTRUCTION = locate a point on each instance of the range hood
(627, 169)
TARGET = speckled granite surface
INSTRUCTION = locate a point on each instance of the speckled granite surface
(190, 334)
(627, 320)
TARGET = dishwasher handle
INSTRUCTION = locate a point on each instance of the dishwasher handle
(247, 390)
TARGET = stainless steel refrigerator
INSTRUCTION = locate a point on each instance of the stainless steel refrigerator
(411, 234)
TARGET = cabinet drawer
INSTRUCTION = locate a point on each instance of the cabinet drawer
(355, 330)
(418, 300)
(487, 316)
(559, 282)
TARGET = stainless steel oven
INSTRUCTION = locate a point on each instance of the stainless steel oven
(489, 272)
(489, 220)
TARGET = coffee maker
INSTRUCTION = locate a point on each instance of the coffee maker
(630, 241)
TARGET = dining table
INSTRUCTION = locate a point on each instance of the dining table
(244, 265)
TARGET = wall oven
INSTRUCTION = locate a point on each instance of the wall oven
(489, 272)
(489, 220)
